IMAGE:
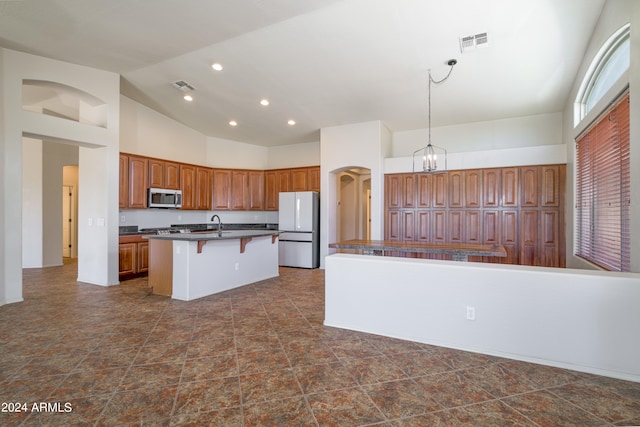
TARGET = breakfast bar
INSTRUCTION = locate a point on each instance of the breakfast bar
(188, 266)
(459, 251)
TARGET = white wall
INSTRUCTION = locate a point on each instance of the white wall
(615, 14)
(56, 157)
(291, 156)
(586, 321)
(32, 209)
(100, 255)
(362, 145)
(517, 132)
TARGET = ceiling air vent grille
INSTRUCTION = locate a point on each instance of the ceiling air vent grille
(183, 86)
(475, 41)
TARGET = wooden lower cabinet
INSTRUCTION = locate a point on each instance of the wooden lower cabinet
(133, 256)
(520, 208)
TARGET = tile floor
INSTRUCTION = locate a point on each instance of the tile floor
(260, 356)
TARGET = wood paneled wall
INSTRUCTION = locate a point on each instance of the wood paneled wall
(521, 208)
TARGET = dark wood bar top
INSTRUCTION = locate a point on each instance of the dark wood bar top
(459, 251)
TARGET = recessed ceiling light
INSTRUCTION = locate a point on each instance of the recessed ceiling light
(291, 122)
(264, 102)
(217, 66)
(233, 123)
(188, 98)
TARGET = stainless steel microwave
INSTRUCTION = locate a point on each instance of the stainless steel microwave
(162, 198)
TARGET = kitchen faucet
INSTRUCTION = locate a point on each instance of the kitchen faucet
(219, 224)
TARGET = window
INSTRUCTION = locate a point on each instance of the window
(603, 190)
(608, 66)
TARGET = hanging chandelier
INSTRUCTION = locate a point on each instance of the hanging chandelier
(430, 153)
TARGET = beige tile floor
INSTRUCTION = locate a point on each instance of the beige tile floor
(260, 356)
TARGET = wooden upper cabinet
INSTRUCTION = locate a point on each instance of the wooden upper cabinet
(204, 182)
(299, 179)
(284, 181)
(138, 182)
(473, 188)
(424, 190)
(156, 173)
(393, 190)
(510, 186)
(491, 187)
(221, 189)
(188, 186)
(256, 190)
(456, 189)
(123, 201)
(239, 189)
(409, 190)
(529, 186)
(171, 176)
(314, 178)
(550, 186)
(440, 190)
(271, 191)
(163, 174)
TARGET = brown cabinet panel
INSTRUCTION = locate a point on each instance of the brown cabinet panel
(509, 236)
(271, 191)
(156, 173)
(221, 189)
(550, 187)
(491, 232)
(529, 238)
(550, 244)
(393, 226)
(456, 226)
(299, 179)
(256, 190)
(123, 196)
(456, 189)
(529, 186)
(393, 190)
(204, 182)
(473, 227)
(440, 189)
(408, 225)
(239, 189)
(424, 190)
(128, 258)
(439, 230)
(491, 188)
(138, 182)
(409, 190)
(188, 186)
(143, 257)
(172, 175)
(510, 185)
(314, 178)
(473, 188)
(284, 181)
(423, 226)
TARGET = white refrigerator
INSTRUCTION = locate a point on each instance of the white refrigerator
(299, 223)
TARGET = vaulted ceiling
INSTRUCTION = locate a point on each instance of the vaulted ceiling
(318, 62)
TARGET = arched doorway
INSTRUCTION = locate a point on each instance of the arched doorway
(353, 204)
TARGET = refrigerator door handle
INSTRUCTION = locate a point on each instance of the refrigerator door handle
(297, 212)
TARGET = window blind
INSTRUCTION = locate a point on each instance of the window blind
(602, 190)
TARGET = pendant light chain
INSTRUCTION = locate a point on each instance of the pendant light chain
(429, 153)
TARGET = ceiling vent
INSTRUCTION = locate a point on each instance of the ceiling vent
(468, 43)
(183, 86)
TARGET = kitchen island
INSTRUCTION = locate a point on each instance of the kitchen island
(187, 266)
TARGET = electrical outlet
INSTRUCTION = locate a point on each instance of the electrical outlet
(471, 313)
(237, 266)
(123, 218)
